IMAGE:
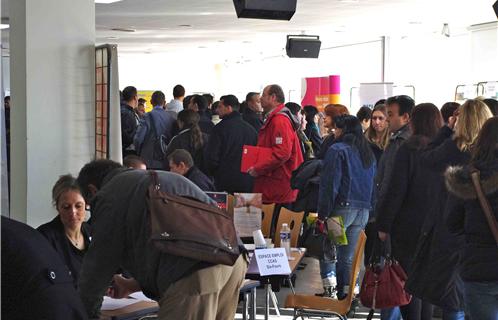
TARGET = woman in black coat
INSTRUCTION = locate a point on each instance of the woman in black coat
(479, 258)
(404, 211)
(434, 275)
(68, 233)
(312, 131)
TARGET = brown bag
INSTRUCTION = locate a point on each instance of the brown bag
(485, 206)
(189, 228)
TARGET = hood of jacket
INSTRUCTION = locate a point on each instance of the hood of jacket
(459, 180)
(293, 119)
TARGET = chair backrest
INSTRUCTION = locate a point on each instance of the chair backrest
(267, 217)
(294, 220)
(357, 261)
(230, 204)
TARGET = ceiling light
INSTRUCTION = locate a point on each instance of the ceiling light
(107, 1)
(185, 25)
(112, 38)
(4, 26)
(123, 29)
(349, 1)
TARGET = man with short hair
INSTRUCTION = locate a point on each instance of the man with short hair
(134, 162)
(181, 162)
(224, 150)
(129, 120)
(176, 104)
(199, 104)
(273, 174)
(252, 112)
(185, 288)
(399, 109)
(154, 133)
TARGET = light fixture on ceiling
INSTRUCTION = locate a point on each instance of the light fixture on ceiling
(112, 38)
(106, 1)
(124, 29)
(185, 25)
(4, 26)
(446, 30)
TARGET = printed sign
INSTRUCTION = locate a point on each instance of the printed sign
(272, 261)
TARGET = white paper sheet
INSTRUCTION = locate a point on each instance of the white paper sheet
(113, 304)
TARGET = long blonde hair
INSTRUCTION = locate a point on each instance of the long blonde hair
(371, 134)
(471, 117)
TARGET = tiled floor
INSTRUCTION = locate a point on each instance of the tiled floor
(308, 282)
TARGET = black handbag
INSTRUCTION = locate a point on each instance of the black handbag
(318, 244)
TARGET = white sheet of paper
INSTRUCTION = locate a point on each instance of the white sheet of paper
(246, 223)
(139, 295)
(113, 304)
(272, 261)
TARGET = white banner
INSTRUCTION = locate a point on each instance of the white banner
(370, 93)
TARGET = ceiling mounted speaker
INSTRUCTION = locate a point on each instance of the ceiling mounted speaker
(303, 46)
(265, 9)
(495, 6)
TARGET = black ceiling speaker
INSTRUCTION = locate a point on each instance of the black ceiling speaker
(265, 9)
(495, 6)
(303, 46)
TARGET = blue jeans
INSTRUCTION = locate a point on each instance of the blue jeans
(453, 315)
(481, 300)
(390, 314)
(355, 220)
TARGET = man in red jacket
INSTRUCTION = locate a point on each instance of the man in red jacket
(273, 174)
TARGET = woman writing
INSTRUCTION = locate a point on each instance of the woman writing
(67, 232)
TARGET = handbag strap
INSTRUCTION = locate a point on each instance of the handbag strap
(154, 179)
(486, 207)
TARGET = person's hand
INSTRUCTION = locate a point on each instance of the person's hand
(252, 172)
(383, 236)
(122, 287)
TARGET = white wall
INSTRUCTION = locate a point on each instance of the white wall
(52, 87)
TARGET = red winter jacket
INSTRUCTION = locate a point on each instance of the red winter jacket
(274, 174)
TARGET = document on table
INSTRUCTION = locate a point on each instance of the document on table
(247, 213)
(113, 304)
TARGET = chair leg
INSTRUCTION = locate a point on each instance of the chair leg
(275, 302)
(252, 314)
(244, 306)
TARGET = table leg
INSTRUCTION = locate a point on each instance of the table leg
(252, 314)
(267, 301)
(244, 307)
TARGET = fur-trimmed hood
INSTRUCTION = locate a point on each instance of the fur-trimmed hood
(459, 181)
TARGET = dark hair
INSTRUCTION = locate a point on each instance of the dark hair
(129, 93)
(178, 91)
(426, 120)
(493, 105)
(141, 101)
(181, 155)
(133, 161)
(200, 101)
(250, 95)
(186, 101)
(365, 113)
(94, 173)
(486, 146)
(232, 101)
(381, 101)
(158, 98)
(6, 98)
(448, 109)
(352, 134)
(404, 102)
(310, 112)
(209, 98)
(190, 120)
(293, 107)
(65, 183)
(275, 89)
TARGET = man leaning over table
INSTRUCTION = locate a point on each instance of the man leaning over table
(185, 288)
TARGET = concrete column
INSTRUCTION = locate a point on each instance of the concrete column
(52, 75)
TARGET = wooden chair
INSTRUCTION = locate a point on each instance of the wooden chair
(266, 221)
(230, 204)
(314, 306)
(294, 221)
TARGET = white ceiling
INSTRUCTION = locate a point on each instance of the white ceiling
(211, 27)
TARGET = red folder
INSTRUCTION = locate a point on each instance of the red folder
(252, 155)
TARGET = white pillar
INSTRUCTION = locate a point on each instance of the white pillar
(52, 45)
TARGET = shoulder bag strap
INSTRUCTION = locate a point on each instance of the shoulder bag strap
(486, 207)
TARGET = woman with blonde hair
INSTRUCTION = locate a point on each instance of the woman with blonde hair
(330, 112)
(378, 131)
(435, 269)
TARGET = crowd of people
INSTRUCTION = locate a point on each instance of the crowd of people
(400, 171)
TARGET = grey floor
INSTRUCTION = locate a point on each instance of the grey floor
(308, 282)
